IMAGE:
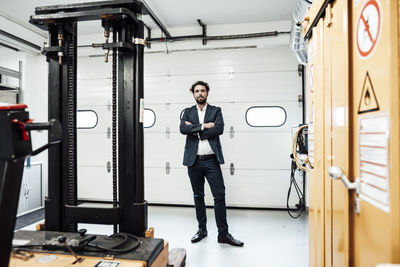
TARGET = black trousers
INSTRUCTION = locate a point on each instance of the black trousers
(211, 170)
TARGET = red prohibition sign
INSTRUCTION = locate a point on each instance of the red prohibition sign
(368, 28)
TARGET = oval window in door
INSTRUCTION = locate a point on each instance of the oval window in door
(86, 119)
(149, 118)
(266, 116)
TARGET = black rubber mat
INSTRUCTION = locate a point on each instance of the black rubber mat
(28, 219)
(147, 251)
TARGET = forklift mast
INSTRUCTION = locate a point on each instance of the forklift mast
(122, 19)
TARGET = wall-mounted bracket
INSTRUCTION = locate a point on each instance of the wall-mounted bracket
(204, 31)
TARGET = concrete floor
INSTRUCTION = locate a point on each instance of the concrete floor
(271, 238)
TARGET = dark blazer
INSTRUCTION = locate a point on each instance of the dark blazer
(193, 132)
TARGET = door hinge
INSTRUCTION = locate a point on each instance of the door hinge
(108, 132)
(300, 99)
(300, 69)
(232, 169)
(167, 168)
(232, 132)
(108, 166)
(167, 132)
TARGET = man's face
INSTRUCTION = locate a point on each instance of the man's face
(200, 94)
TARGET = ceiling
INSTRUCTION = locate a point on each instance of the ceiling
(174, 13)
(181, 13)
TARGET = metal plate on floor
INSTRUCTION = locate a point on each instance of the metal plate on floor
(104, 263)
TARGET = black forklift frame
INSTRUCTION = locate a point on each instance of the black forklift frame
(16, 145)
(62, 207)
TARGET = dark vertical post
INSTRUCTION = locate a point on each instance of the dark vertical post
(10, 185)
(126, 145)
(140, 205)
(53, 200)
(303, 93)
(62, 106)
(70, 194)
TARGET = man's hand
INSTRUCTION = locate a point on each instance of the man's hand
(208, 125)
(189, 123)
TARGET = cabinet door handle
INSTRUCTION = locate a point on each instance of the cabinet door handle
(336, 173)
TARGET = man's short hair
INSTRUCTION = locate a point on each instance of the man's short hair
(199, 83)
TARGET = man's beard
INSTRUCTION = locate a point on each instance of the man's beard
(201, 101)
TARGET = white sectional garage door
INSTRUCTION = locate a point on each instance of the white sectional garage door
(239, 79)
(94, 143)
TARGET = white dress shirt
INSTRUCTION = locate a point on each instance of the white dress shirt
(204, 146)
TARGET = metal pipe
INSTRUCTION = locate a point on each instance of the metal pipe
(23, 41)
(175, 38)
(19, 96)
(10, 72)
(9, 47)
(243, 36)
(193, 37)
(217, 38)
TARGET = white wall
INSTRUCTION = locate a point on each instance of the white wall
(34, 94)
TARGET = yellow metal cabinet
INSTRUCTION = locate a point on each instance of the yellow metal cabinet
(339, 133)
(316, 181)
(354, 85)
(374, 233)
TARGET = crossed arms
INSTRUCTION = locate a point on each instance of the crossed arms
(210, 129)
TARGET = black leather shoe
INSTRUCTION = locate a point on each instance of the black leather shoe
(228, 239)
(201, 233)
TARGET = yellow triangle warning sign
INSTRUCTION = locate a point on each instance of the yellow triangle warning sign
(368, 100)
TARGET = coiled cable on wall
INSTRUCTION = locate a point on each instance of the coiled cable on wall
(298, 140)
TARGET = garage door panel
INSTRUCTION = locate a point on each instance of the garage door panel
(173, 188)
(159, 149)
(258, 188)
(93, 85)
(203, 62)
(98, 176)
(234, 115)
(91, 152)
(268, 187)
(97, 68)
(259, 150)
(263, 86)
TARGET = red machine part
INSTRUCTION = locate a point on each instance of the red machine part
(25, 134)
(12, 106)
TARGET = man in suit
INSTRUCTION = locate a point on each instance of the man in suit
(203, 124)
